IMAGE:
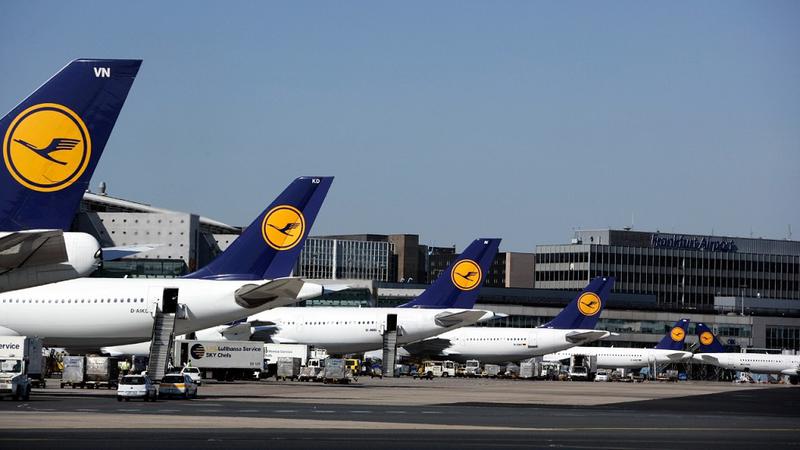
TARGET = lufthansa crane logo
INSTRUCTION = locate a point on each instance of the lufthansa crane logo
(706, 338)
(197, 351)
(466, 274)
(589, 304)
(47, 147)
(677, 334)
(283, 227)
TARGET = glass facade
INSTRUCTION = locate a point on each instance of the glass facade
(344, 259)
(783, 337)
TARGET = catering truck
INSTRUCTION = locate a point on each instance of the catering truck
(221, 360)
(20, 365)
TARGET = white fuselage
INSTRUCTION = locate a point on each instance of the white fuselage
(82, 259)
(753, 362)
(497, 345)
(623, 358)
(343, 330)
(95, 312)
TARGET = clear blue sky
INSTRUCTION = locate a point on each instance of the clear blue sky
(521, 120)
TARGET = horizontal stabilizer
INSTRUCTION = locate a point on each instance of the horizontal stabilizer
(586, 336)
(32, 248)
(449, 319)
(331, 288)
(432, 347)
(708, 359)
(239, 332)
(115, 253)
(679, 356)
(275, 293)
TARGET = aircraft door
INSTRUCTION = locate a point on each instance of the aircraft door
(169, 301)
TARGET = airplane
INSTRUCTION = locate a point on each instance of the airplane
(52, 142)
(668, 350)
(572, 326)
(343, 330)
(250, 276)
(712, 352)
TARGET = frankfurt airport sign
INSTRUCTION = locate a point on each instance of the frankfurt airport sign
(692, 243)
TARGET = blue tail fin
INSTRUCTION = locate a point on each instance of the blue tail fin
(458, 285)
(54, 138)
(269, 247)
(583, 312)
(708, 342)
(675, 337)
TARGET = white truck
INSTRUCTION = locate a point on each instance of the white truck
(20, 364)
(274, 351)
(221, 360)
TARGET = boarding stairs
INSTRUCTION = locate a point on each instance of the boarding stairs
(161, 344)
(390, 346)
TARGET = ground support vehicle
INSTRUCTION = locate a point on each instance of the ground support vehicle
(20, 363)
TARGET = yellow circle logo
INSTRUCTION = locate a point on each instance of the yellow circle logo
(589, 304)
(706, 338)
(283, 226)
(677, 334)
(466, 274)
(47, 147)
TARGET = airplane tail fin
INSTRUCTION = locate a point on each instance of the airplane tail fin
(458, 285)
(708, 342)
(584, 311)
(269, 247)
(53, 140)
(675, 337)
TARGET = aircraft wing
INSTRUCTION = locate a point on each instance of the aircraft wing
(461, 318)
(32, 248)
(275, 293)
(585, 336)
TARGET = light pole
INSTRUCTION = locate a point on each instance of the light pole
(742, 287)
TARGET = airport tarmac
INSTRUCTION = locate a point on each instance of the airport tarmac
(441, 413)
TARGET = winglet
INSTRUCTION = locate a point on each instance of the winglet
(459, 284)
(583, 312)
(707, 340)
(269, 247)
(675, 337)
(52, 141)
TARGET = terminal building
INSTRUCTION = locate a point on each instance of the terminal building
(747, 289)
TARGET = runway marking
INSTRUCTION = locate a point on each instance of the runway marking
(360, 412)
(169, 410)
(129, 410)
(285, 411)
(247, 410)
(395, 412)
(431, 412)
(211, 410)
(324, 411)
